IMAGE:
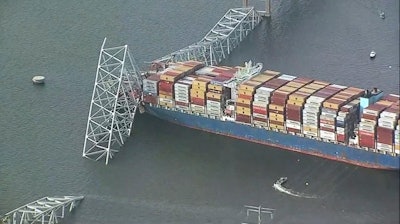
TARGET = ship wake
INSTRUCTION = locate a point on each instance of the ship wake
(278, 185)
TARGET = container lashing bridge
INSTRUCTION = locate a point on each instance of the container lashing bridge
(117, 91)
(45, 210)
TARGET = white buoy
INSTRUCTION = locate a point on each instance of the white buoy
(306, 183)
(372, 54)
(38, 79)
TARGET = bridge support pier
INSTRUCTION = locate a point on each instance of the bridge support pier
(267, 8)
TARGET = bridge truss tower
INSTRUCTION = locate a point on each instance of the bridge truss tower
(219, 42)
(116, 96)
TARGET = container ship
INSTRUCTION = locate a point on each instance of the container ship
(336, 122)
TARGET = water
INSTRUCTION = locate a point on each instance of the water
(165, 173)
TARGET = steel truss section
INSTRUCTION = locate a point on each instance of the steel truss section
(116, 96)
(45, 210)
(219, 42)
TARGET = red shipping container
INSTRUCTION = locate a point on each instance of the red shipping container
(342, 138)
(260, 110)
(166, 86)
(247, 97)
(243, 104)
(197, 101)
(366, 141)
(278, 101)
(260, 119)
(330, 122)
(150, 99)
(370, 117)
(293, 130)
(181, 103)
(243, 118)
(327, 129)
(385, 135)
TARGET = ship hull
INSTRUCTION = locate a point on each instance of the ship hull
(295, 143)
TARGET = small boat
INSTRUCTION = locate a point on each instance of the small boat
(382, 15)
(38, 79)
(372, 54)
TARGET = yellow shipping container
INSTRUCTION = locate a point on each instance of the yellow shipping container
(243, 112)
(215, 87)
(276, 117)
(396, 147)
(165, 104)
(276, 126)
(168, 78)
(246, 92)
(214, 95)
(165, 96)
(295, 84)
(276, 107)
(244, 101)
(384, 102)
(247, 109)
(307, 90)
(301, 97)
(310, 129)
(270, 72)
(197, 91)
(200, 83)
(164, 93)
(295, 102)
(249, 85)
(262, 78)
(200, 88)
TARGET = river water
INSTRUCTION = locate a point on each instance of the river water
(166, 173)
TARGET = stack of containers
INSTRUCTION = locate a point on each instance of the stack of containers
(169, 76)
(276, 109)
(182, 92)
(294, 105)
(245, 93)
(346, 120)
(369, 120)
(329, 112)
(261, 100)
(198, 94)
(216, 93)
(312, 109)
(308, 126)
(150, 89)
(385, 131)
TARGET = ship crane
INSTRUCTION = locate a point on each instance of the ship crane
(117, 93)
(45, 210)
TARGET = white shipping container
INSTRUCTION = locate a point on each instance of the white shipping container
(338, 86)
(165, 100)
(384, 147)
(363, 120)
(370, 112)
(343, 114)
(329, 111)
(328, 116)
(180, 107)
(260, 104)
(260, 115)
(310, 133)
(327, 135)
(315, 99)
(392, 115)
(264, 91)
(310, 126)
(287, 77)
(213, 103)
(261, 98)
(312, 107)
(197, 107)
(292, 124)
(327, 126)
